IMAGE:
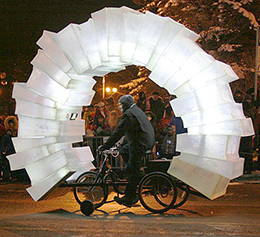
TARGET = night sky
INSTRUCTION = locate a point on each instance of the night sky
(23, 22)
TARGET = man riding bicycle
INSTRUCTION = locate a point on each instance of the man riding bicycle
(139, 133)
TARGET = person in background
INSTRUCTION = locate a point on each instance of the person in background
(142, 102)
(139, 137)
(168, 147)
(101, 127)
(156, 105)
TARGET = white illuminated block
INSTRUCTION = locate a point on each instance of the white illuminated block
(55, 147)
(72, 128)
(238, 127)
(152, 27)
(105, 69)
(80, 85)
(212, 94)
(46, 166)
(46, 86)
(210, 184)
(216, 70)
(189, 34)
(20, 159)
(70, 45)
(22, 92)
(222, 147)
(178, 52)
(114, 30)
(49, 45)
(215, 114)
(42, 189)
(176, 80)
(23, 144)
(100, 24)
(79, 97)
(34, 110)
(230, 169)
(45, 64)
(132, 25)
(170, 31)
(37, 127)
(82, 163)
(196, 63)
(86, 35)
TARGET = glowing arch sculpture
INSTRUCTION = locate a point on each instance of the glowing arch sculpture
(62, 80)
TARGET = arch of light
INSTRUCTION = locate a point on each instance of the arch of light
(62, 80)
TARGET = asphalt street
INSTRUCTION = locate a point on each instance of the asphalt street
(235, 214)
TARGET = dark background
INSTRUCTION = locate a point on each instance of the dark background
(23, 22)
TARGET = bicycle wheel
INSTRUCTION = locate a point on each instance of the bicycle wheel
(96, 194)
(183, 191)
(157, 192)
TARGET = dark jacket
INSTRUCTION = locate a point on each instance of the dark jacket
(137, 128)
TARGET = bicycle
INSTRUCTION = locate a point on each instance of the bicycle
(158, 191)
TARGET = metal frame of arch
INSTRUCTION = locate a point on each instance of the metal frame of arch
(62, 80)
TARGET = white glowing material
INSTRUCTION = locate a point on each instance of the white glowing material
(216, 70)
(211, 184)
(170, 31)
(21, 159)
(222, 147)
(42, 83)
(49, 105)
(23, 144)
(196, 63)
(36, 127)
(45, 64)
(179, 51)
(239, 127)
(114, 23)
(34, 110)
(72, 128)
(87, 37)
(50, 47)
(99, 20)
(131, 31)
(230, 169)
(43, 188)
(22, 92)
(215, 114)
(77, 98)
(71, 47)
(212, 94)
(152, 26)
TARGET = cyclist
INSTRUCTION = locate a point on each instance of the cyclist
(139, 137)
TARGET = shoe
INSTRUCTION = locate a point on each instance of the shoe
(126, 201)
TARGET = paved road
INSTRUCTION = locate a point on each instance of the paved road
(235, 214)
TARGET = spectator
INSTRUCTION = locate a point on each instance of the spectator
(12, 124)
(156, 105)
(88, 116)
(168, 148)
(7, 148)
(142, 102)
(101, 127)
(113, 113)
